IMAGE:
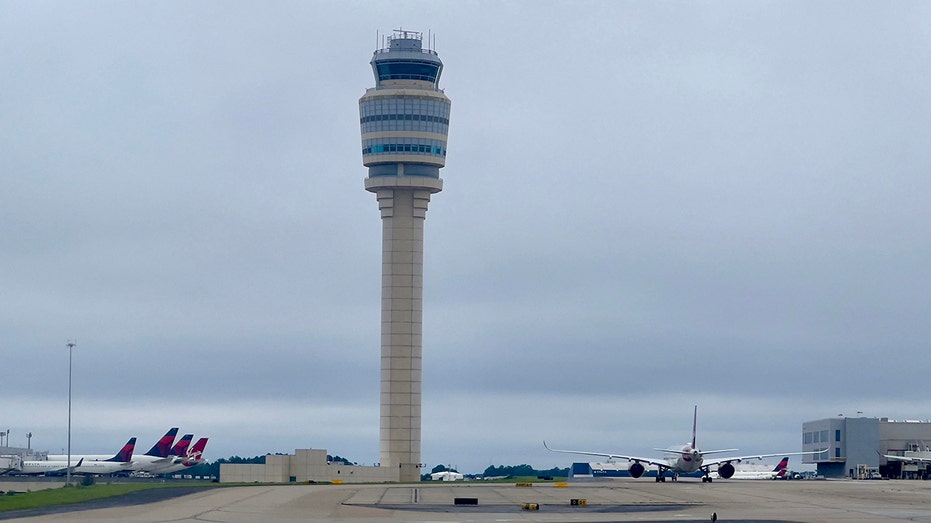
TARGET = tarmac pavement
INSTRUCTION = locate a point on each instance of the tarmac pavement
(614, 501)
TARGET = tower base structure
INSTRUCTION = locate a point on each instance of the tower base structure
(403, 204)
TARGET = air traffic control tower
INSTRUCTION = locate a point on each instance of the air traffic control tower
(405, 121)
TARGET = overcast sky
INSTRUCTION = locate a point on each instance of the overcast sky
(647, 206)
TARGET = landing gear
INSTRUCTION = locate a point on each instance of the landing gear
(661, 476)
(705, 479)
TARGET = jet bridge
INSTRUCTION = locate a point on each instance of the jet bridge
(10, 464)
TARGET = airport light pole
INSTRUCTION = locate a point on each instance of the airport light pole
(71, 345)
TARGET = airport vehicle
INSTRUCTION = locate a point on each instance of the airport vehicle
(158, 453)
(684, 460)
(192, 456)
(778, 472)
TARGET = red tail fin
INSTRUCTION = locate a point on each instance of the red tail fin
(126, 453)
(180, 448)
(196, 452)
(782, 466)
(694, 426)
(161, 449)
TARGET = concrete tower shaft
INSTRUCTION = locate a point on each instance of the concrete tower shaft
(405, 122)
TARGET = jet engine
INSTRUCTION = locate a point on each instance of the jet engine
(725, 470)
(636, 469)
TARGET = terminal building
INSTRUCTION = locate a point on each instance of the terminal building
(855, 447)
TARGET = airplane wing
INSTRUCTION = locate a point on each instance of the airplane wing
(662, 464)
(64, 470)
(738, 459)
(916, 459)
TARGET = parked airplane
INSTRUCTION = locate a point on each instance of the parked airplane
(158, 453)
(47, 467)
(778, 472)
(685, 460)
(192, 456)
(58, 464)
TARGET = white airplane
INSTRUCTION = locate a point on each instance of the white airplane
(181, 458)
(157, 454)
(684, 460)
(778, 472)
(177, 453)
(47, 467)
(56, 464)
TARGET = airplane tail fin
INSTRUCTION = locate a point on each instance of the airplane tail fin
(196, 452)
(781, 468)
(694, 425)
(161, 449)
(126, 453)
(180, 448)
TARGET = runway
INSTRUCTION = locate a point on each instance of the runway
(615, 501)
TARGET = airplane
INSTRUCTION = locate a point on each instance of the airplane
(47, 467)
(192, 456)
(778, 472)
(177, 453)
(159, 453)
(57, 464)
(685, 460)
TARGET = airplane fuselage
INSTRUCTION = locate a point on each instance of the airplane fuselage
(86, 466)
(687, 461)
(45, 467)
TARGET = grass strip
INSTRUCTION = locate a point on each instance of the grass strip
(69, 495)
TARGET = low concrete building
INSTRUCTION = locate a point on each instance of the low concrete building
(304, 466)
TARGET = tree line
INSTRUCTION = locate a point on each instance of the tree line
(212, 469)
(508, 471)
